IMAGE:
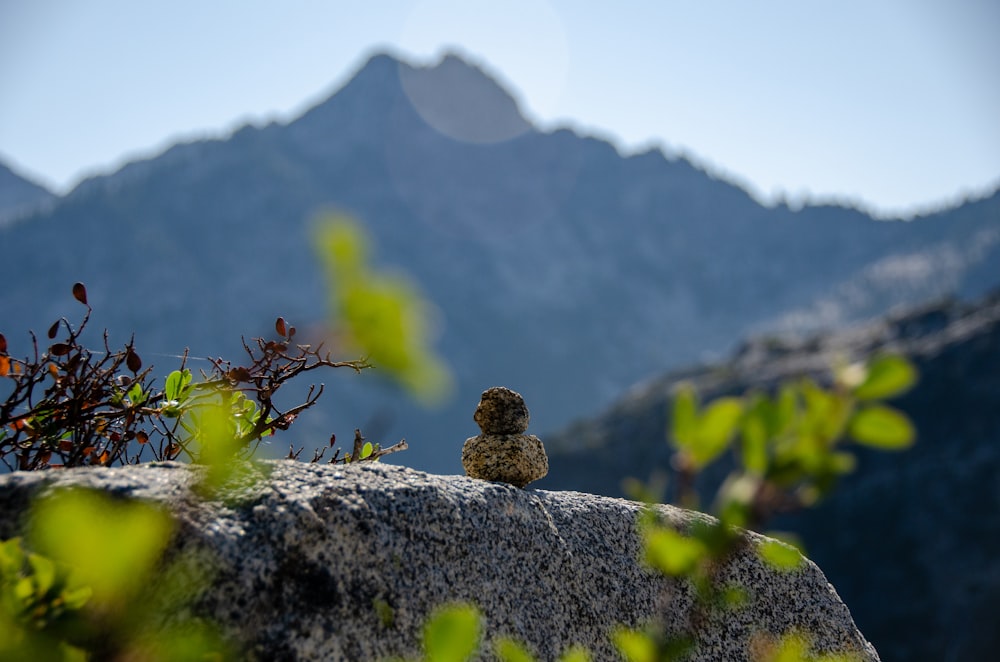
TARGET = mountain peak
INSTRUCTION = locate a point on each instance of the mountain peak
(453, 96)
(19, 195)
(462, 101)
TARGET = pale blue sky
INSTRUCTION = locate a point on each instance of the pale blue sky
(892, 103)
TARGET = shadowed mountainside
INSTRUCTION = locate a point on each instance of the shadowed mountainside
(911, 539)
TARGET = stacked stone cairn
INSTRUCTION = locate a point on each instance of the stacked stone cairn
(503, 452)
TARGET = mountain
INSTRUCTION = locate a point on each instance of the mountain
(18, 195)
(560, 267)
(910, 540)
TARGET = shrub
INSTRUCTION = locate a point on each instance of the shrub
(70, 406)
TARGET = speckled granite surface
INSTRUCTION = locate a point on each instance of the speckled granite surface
(310, 555)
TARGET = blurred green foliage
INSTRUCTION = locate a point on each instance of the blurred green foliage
(382, 315)
(453, 633)
(787, 450)
(40, 602)
(792, 647)
(95, 585)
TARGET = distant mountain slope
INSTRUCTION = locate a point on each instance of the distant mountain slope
(911, 541)
(19, 195)
(560, 268)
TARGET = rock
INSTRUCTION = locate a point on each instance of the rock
(501, 411)
(502, 452)
(320, 562)
(517, 459)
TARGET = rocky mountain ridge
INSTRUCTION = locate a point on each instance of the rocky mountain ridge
(559, 267)
(19, 195)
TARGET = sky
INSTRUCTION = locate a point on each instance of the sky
(893, 105)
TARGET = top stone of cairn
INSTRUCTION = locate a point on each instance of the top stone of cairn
(502, 411)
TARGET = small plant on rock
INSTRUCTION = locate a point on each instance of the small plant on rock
(67, 405)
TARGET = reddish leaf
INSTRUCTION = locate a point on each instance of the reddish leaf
(141, 437)
(80, 293)
(115, 437)
(104, 458)
(172, 451)
(4, 366)
(54, 370)
(65, 445)
(239, 374)
(291, 331)
(333, 440)
(53, 330)
(44, 457)
(59, 349)
(3, 344)
(88, 450)
(133, 361)
(279, 326)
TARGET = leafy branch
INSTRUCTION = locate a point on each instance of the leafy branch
(70, 406)
(788, 451)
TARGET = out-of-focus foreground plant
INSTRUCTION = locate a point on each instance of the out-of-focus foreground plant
(95, 585)
(788, 451)
(382, 315)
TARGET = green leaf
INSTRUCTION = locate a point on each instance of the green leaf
(177, 385)
(111, 545)
(366, 450)
(780, 556)
(716, 426)
(786, 411)
(826, 413)
(77, 597)
(452, 634)
(11, 557)
(575, 654)
(882, 427)
(734, 597)
(135, 394)
(672, 553)
(382, 315)
(888, 376)
(635, 646)
(24, 590)
(791, 648)
(509, 650)
(841, 462)
(44, 571)
(685, 419)
(755, 442)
